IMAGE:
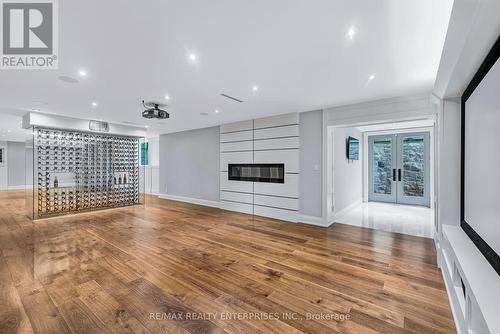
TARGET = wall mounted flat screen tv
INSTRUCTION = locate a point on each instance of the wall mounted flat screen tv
(352, 148)
(480, 186)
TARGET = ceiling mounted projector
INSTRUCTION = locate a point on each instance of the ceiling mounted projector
(153, 111)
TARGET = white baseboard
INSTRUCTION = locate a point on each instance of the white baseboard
(153, 193)
(16, 187)
(310, 220)
(204, 202)
(347, 208)
(313, 220)
(20, 187)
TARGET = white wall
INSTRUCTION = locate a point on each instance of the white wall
(311, 155)
(152, 171)
(154, 151)
(474, 27)
(16, 164)
(448, 209)
(28, 153)
(189, 164)
(381, 111)
(265, 140)
(3, 167)
(13, 170)
(347, 174)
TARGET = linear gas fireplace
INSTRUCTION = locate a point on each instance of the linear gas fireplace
(273, 173)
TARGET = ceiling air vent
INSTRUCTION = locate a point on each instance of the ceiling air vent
(133, 123)
(231, 98)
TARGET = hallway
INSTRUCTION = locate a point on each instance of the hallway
(397, 218)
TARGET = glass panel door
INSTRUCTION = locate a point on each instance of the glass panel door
(382, 168)
(399, 168)
(413, 161)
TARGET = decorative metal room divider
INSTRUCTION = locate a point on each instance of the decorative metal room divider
(80, 171)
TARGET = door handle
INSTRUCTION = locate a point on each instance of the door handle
(394, 175)
(399, 174)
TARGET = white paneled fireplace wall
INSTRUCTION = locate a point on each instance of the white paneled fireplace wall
(273, 140)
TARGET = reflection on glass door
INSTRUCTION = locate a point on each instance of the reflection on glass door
(382, 166)
(413, 160)
(399, 168)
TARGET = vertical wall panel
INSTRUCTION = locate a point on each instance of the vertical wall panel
(273, 140)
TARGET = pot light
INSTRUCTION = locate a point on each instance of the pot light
(371, 77)
(82, 73)
(94, 104)
(193, 57)
(351, 32)
(255, 88)
(216, 111)
(167, 97)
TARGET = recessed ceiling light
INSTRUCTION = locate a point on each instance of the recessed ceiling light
(94, 104)
(82, 73)
(8, 131)
(351, 32)
(255, 88)
(193, 57)
(371, 77)
(216, 111)
(167, 97)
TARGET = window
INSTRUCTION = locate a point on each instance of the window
(144, 154)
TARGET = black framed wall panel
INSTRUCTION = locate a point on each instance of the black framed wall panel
(480, 136)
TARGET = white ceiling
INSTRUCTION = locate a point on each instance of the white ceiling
(469, 39)
(297, 52)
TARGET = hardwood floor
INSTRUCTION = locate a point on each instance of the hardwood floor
(155, 268)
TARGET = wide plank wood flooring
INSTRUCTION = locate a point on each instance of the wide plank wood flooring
(159, 268)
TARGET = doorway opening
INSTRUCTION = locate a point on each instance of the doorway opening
(399, 168)
(389, 184)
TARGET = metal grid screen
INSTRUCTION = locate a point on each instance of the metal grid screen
(79, 171)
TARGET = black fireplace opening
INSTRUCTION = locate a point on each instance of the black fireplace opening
(272, 173)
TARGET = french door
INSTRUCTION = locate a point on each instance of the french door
(398, 168)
